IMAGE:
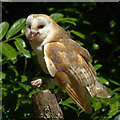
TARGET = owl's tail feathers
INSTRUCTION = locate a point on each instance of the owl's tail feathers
(99, 90)
(75, 90)
(86, 106)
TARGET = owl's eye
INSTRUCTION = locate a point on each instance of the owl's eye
(41, 26)
(29, 26)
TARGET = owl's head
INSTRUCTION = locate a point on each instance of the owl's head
(38, 27)
(42, 29)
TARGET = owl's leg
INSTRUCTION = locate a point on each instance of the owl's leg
(39, 82)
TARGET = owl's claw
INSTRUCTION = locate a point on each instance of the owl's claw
(36, 83)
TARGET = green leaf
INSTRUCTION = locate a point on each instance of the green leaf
(26, 87)
(97, 66)
(112, 23)
(56, 16)
(114, 82)
(21, 41)
(86, 22)
(114, 109)
(103, 80)
(20, 46)
(67, 103)
(116, 89)
(3, 29)
(95, 46)
(97, 105)
(3, 75)
(79, 34)
(24, 78)
(67, 20)
(64, 20)
(16, 27)
(70, 19)
(9, 51)
(31, 92)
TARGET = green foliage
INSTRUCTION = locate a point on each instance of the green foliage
(15, 85)
(3, 29)
(20, 44)
(16, 27)
(86, 24)
(59, 17)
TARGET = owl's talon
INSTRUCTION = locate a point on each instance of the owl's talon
(36, 83)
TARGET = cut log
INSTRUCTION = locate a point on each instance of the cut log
(46, 106)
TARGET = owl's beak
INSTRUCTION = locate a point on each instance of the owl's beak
(32, 38)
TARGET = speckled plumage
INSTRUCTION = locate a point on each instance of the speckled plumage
(65, 60)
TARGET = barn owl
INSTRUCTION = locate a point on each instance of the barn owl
(65, 60)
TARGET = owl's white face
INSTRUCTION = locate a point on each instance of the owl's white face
(37, 28)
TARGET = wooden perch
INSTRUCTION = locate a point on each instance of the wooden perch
(46, 106)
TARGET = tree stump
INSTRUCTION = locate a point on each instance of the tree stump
(46, 106)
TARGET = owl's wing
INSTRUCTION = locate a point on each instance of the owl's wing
(74, 74)
(68, 42)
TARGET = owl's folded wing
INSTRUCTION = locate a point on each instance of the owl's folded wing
(68, 42)
(74, 74)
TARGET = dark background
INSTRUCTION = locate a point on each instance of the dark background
(101, 17)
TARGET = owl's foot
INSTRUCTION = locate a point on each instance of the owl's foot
(36, 83)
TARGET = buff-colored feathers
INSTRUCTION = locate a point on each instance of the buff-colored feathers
(64, 59)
